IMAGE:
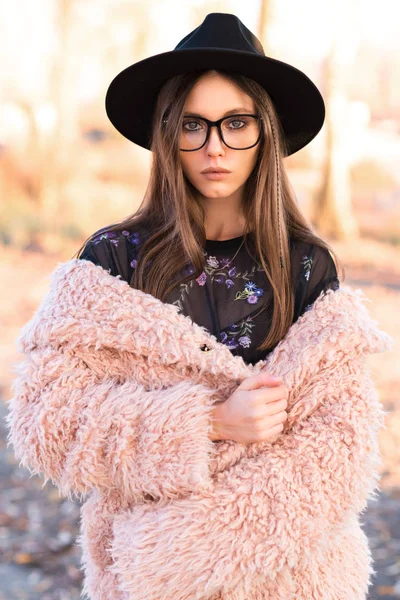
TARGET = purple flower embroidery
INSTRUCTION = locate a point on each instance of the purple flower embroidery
(213, 262)
(250, 293)
(134, 238)
(108, 235)
(133, 263)
(219, 270)
(232, 345)
(241, 337)
(245, 341)
(224, 262)
(125, 232)
(189, 270)
(201, 280)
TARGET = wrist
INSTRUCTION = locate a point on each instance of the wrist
(217, 432)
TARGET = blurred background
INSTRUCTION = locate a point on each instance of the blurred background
(65, 172)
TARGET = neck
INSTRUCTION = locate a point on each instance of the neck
(224, 219)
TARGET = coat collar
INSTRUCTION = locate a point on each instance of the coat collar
(89, 307)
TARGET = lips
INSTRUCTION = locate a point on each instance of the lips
(215, 170)
(216, 175)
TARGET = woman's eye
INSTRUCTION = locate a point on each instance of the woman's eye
(189, 124)
(237, 123)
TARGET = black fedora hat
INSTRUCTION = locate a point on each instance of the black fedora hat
(222, 41)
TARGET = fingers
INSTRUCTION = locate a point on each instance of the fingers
(276, 406)
(276, 429)
(260, 380)
(271, 395)
(277, 419)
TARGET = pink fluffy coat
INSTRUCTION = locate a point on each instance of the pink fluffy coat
(112, 403)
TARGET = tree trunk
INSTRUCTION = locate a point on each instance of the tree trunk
(333, 214)
(263, 22)
(59, 155)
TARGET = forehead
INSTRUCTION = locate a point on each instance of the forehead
(213, 95)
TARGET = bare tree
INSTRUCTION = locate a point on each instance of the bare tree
(333, 214)
(263, 23)
(59, 155)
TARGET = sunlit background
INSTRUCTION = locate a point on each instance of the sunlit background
(65, 172)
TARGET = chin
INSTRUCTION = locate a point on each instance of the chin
(216, 190)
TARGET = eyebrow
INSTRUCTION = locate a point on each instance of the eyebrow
(227, 113)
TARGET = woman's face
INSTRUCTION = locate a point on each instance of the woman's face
(212, 97)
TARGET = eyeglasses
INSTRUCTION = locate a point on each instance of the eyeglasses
(238, 132)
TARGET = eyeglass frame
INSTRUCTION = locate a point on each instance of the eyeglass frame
(217, 124)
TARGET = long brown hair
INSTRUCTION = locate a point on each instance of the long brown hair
(174, 219)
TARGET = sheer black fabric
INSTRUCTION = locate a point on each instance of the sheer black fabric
(227, 297)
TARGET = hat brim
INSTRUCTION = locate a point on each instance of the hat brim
(132, 94)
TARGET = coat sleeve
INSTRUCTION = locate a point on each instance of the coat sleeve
(267, 512)
(83, 432)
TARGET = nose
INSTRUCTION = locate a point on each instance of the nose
(215, 145)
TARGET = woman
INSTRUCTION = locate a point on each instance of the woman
(220, 222)
(163, 402)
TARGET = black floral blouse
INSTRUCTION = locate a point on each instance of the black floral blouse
(228, 295)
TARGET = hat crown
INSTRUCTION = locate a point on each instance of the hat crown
(224, 31)
(221, 42)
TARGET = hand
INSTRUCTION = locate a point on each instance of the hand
(255, 412)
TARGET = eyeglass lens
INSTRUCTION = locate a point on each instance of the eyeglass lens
(238, 132)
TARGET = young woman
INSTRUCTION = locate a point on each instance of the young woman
(232, 249)
(159, 367)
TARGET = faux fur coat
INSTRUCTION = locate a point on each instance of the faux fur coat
(112, 403)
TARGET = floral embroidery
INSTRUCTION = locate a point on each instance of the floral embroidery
(251, 292)
(213, 262)
(307, 262)
(114, 238)
(234, 339)
(220, 271)
(133, 238)
(108, 235)
(225, 261)
(201, 280)
(217, 269)
(189, 270)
